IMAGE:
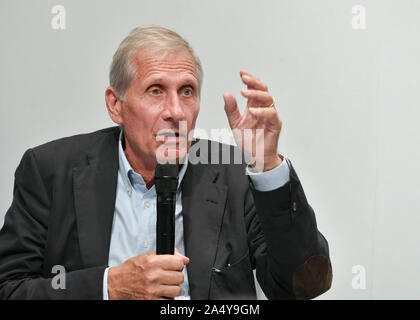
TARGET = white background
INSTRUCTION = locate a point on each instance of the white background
(348, 99)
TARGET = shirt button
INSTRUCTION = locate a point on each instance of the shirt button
(294, 206)
(147, 204)
(145, 244)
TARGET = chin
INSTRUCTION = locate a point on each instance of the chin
(170, 154)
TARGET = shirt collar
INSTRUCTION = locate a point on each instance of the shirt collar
(131, 177)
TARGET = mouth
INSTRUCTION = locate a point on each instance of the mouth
(168, 134)
(170, 137)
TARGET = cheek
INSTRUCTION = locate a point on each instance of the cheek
(193, 113)
(194, 119)
(141, 116)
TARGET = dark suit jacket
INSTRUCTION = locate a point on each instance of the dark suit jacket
(62, 213)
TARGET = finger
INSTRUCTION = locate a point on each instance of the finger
(257, 98)
(244, 72)
(232, 110)
(254, 83)
(168, 262)
(171, 277)
(165, 291)
(268, 114)
(186, 259)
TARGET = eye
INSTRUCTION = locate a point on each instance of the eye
(155, 91)
(187, 91)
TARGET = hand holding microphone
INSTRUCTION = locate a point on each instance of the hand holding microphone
(147, 277)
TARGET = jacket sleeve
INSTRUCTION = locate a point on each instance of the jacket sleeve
(290, 255)
(23, 239)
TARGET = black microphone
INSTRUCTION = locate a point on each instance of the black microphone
(166, 182)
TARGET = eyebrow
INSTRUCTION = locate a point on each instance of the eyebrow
(188, 81)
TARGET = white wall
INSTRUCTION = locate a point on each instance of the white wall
(348, 99)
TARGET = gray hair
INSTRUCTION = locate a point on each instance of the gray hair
(123, 71)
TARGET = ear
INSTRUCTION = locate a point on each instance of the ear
(113, 104)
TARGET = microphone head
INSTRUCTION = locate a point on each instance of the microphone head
(166, 178)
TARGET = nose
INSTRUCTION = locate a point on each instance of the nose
(174, 111)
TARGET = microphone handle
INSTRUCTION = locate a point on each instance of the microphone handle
(165, 223)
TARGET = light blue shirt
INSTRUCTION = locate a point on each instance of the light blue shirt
(134, 225)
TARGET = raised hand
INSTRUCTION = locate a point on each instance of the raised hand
(257, 130)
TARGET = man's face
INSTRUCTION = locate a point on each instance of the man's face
(165, 92)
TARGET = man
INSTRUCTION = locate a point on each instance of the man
(87, 202)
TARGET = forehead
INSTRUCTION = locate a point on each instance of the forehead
(155, 64)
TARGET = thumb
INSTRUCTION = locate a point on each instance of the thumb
(186, 259)
(231, 109)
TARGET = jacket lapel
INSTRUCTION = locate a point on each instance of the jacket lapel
(203, 202)
(94, 187)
